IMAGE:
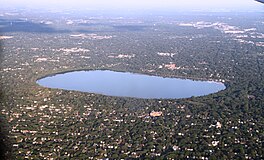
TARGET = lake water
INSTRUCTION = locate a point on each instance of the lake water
(124, 84)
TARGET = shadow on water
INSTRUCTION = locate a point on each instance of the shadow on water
(5, 142)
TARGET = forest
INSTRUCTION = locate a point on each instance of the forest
(44, 123)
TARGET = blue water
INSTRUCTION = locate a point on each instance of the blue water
(130, 85)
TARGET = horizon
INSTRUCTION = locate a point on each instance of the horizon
(129, 5)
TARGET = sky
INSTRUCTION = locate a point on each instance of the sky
(139, 4)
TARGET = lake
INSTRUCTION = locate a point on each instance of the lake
(125, 84)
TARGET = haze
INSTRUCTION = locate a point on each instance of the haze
(140, 4)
